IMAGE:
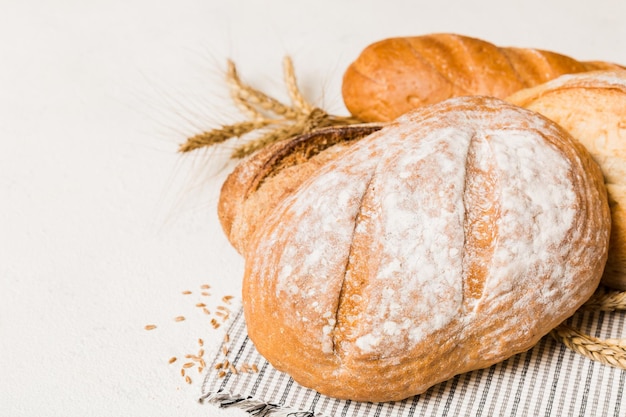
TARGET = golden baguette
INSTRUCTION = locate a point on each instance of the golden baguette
(396, 75)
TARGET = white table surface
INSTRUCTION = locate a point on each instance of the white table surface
(103, 224)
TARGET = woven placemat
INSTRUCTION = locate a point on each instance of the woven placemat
(548, 380)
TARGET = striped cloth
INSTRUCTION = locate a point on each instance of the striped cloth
(548, 380)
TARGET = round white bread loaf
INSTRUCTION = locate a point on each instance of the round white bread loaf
(450, 240)
(592, 108)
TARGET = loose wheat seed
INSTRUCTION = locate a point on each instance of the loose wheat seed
(150, 326)
(187, 379)
(219, 366)
(255, 368)
(222, 374)
(200, 305)
(226, 363)
(226, 338)
(186, 292)
(206, 294)
(172, 359)
(201, 342)
(224, 350)
(201, 353)
(188, 365)
(205, 286)
(200, 369)
(206, 311)
(223, 308)
(179, 318)
(227, 298)
(182, 372)
(233, 369)
(202, 363)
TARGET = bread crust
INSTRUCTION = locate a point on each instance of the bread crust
(263, 180)
(452, 239)
(592, 108)
(395, 75)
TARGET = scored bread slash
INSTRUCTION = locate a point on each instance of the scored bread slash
(150, 326)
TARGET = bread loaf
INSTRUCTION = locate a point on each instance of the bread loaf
(449, 240)
(592, 107)
(396, 75)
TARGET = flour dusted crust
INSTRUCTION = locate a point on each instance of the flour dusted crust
(592, 108)
(453, 238)
(267, 177)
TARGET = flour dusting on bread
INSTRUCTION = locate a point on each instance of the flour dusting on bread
(453, 238)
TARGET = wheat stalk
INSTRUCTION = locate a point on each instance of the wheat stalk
(607, 351)
(606, 300)
(279, 121)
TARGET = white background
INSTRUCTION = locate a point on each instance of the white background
(103, 224)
